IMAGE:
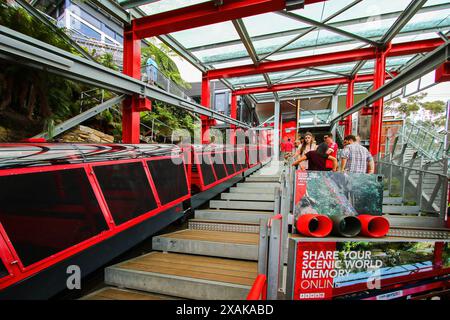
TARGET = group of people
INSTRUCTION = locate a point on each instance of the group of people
(308, 155)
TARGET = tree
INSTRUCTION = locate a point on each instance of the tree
(433, 112)
(405, 108)
(32, 100)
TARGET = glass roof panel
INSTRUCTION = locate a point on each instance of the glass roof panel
(219, 45)
(232, 64)
(322, 10)
(223, 54)
(373, 9)
(218, 32)
(429, 20)
(246, 80)
(166, 5)
(258, 25)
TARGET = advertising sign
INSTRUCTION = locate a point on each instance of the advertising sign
(335, 193)
(324, 270)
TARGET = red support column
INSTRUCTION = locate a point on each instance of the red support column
(377, 109)
(349, 103)
(206, 102)
(437, 256)
(131, 67)
(233, 114)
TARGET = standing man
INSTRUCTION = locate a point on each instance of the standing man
(151, 68)
(289, 146)
(355, 158)
(332, 149)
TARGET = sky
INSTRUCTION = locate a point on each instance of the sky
(188, 72)
(192, 74)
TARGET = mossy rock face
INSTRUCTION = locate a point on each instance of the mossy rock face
(3, 134)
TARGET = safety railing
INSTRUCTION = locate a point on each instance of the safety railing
(425, 140)
(273, 238)
(162, 81)
(259, 288)
(414, 187)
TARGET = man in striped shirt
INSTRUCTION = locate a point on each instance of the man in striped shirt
(355, 158)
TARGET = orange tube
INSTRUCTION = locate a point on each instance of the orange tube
(314, 225)
(373, 226)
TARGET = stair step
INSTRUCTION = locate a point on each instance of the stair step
(248, 196)
(262, 178)
(241, 205)
(185, 276)
(252, 190)
(393, 200)
(401, 209)
(237, 245)
(111, 293)
(259, 184)
(233, 215)
(223, 225)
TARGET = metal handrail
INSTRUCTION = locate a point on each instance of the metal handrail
(426, 142)
(412, 169)
(405, 170)
(164, 82)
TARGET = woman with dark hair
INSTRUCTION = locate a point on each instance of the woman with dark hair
(309, 144)
(317, 159)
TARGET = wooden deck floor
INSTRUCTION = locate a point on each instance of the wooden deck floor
(198, 267)
(111, 293)
(215, 236)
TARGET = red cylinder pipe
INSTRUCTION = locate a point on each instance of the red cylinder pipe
(373, 226)
(314, 225)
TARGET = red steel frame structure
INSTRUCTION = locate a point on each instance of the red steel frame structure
(379, 76)
(176, 20)
(210, 13)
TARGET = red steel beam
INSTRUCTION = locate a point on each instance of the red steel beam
(348, 104)
(206, 102)
(377, 108)
(131, 67)
(304, 84)
(399, 49)
(203, 14)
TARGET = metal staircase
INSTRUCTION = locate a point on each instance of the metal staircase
(214, 258)
(415, 168)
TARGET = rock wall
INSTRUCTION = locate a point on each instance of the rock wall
(85, 134)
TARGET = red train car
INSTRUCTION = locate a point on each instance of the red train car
(64, 204)
(82, 204)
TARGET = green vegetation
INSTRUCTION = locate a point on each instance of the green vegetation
(33, 100)
(434, 110)
(393, 253)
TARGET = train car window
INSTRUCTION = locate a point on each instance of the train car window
(169, 179)
(207, 172)
(3, 271)
(239, 156)
(229, 160)
(126, 189)
(218, 166)
(46, 212)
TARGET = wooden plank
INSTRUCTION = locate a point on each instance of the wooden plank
(192, 259)
(206, 268)
(111, 293)
(224, 222)
(214, 236)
